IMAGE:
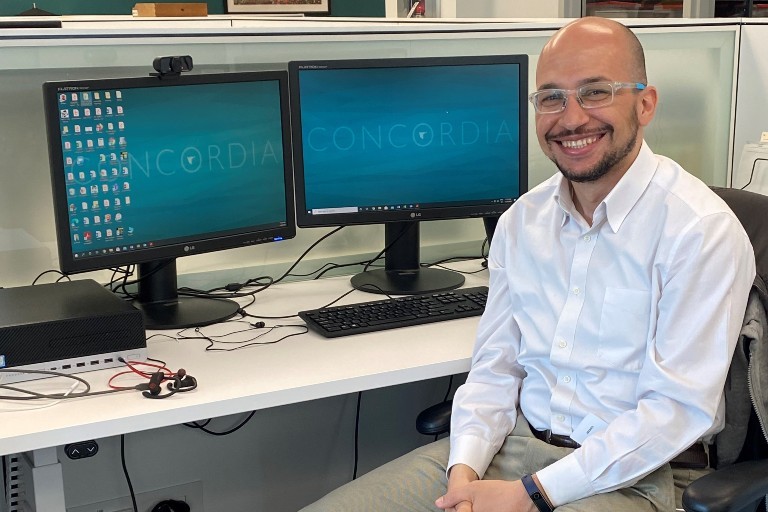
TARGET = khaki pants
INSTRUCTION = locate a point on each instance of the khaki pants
(412, 482)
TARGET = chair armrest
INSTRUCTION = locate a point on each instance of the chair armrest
(730, 489)
(436, 419)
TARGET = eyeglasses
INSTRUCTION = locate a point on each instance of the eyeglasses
(593, 95)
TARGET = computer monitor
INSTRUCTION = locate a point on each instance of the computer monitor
(399, 141)
(145, 170)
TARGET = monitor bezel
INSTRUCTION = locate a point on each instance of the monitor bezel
(197, 244)
(305, 219)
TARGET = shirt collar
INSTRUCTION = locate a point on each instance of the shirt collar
(619, 201)
(563, 198)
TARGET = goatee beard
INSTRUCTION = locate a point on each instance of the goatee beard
(604, 166)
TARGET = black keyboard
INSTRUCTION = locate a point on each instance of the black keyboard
(396, 312)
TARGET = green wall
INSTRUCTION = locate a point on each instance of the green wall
(363, 8)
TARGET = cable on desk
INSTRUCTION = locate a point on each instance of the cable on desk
(245, 314)
(125, 472)
(33, 395)
(220, 338)
(333, 266)
(231, 290)
(61, 274)
(483, 255)
(182, 382)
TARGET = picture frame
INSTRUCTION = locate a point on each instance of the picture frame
(278, 6)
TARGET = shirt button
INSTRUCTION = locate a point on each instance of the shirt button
(562, 344)
(576, 290)
(567, 379)
(587, 238)
(560, 417)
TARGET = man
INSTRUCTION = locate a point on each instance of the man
(617, 291)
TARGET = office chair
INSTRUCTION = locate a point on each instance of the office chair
(740, 481)
(740, 452)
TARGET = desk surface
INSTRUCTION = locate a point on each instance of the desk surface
(297, 369)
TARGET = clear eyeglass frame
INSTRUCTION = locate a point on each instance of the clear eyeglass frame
(591, 95)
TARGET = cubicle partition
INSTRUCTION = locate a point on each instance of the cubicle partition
(750, 168)
(692, 63)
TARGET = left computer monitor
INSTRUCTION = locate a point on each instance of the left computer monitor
(145, 170)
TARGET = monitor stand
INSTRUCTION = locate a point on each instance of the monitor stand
(402, 274)
(159, 302)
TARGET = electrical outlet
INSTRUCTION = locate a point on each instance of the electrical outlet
(192, 493)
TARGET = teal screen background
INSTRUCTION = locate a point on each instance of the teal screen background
(426, 135)
(190, 162)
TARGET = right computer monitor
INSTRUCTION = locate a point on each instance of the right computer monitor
(399, 141)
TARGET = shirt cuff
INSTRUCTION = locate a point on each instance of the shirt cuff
(564, 481)
(473, 451)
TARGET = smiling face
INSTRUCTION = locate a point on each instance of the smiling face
(590, 145)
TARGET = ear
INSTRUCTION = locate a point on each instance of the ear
(646, 105)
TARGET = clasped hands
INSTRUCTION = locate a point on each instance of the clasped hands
(467, 493)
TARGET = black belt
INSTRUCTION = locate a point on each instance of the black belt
(695, 457)
(554, 439)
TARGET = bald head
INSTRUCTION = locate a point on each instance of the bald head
(607, 35)
(594, 144)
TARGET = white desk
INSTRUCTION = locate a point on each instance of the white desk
(300, 368)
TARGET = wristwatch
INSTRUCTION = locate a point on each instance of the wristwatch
(537, 497)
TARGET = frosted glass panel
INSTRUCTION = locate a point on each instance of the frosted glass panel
(692, 124)
(694, 75)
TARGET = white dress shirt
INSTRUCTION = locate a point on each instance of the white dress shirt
(633, 320)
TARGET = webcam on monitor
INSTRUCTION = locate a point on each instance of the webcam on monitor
(172, 66)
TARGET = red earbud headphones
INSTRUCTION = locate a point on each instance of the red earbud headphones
(178, 382)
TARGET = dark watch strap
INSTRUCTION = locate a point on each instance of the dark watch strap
(535, 494)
